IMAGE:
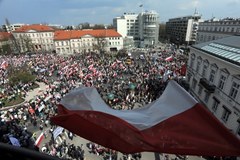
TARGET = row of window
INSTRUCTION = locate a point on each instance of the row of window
(82, 44)
(205, 38)
(222, 23)
(213, 74)
(42, 40)
(114, 43)
(220, 29)
(132, 20)
(215, 105)
(114, 38)
(34, 35)
(225, 114)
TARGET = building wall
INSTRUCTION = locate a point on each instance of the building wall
(143, 27)
(121, 25)
(40, 41)
(226, 103)
(62, 46)
(86, 44)
(183, 30)
(216, 29)
(148, 28)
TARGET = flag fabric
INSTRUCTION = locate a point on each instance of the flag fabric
(14, 141)
(57, 132)
(170, 58)
(183, 70)
(4, 65)
(39, 140)
(178, 125)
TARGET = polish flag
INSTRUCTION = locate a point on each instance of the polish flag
(183, 69)
(178, 125)
(169, 58)
(90, 66)
(39, 140)
(4, 65)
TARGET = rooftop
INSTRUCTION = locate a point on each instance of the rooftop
(226, 48)
(4, 36)
(36, 27)
(74, 34)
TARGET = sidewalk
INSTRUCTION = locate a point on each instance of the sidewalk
(30, 95)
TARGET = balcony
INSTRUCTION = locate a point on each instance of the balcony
(207, 85)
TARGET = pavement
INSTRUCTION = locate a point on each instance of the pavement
(37, 91)
(30, 95)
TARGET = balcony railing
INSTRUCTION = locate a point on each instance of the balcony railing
(207, 85)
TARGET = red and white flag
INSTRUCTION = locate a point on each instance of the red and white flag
(90, 66)
(169, 58)
(4, 65)
(178, 125)
(39, 140)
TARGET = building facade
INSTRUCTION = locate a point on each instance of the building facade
(183, 30)
(215, 29)
(34, 38)
(5, 42)
(213, 74)
(82, 41)
(142, 27)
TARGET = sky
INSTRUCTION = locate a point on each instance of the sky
(74, 12)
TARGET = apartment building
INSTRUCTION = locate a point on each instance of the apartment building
(214, 76)
(183, 30)
(217, 28)
(142, 27)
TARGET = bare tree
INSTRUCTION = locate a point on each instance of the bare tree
(101, 43)
(25, 43)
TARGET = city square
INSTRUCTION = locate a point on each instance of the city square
(121, 71)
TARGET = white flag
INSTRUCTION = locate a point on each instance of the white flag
(14, 141)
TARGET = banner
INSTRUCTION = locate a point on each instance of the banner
(14, 141)
(57, 132)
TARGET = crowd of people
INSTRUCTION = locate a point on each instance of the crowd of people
(122, 85)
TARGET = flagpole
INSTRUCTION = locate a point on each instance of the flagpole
(141, 6)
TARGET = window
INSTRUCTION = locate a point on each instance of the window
(221, 82)
(226, 114)
(194, 84)
(200, 90)
(204, 71)
(206, 98)
(192, 60)
(212, 74)
(234, 90)
(198, 66)
(215, 104)
(238, 30)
